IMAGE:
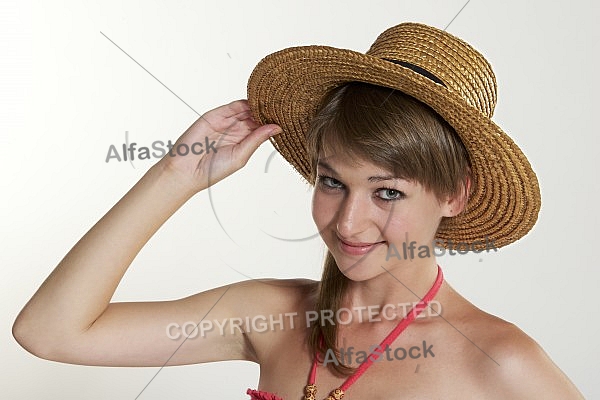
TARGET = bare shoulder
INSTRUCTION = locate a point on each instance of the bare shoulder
(510, 364)
(274, 313)
(524, 370)
(270, 295)
(496, 359)
(260, 299)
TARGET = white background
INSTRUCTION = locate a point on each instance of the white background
(67, 93)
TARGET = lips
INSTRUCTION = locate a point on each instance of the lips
(357, 248)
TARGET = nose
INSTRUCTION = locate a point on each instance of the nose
(352, 217)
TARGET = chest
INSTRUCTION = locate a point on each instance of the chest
(415, 366)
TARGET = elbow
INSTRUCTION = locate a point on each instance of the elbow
(32, 339)
(24, 336)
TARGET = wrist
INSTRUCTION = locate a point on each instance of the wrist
(174, 182)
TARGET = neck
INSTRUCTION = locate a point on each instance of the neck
(398, 286)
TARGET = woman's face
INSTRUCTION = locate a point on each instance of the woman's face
(370, 219)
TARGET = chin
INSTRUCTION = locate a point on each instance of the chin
(360, 268)
(356, 273)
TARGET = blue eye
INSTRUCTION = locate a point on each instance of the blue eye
(384, 194)
(329, 182)
(390, 194)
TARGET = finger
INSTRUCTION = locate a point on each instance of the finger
(241, 104)
(232, 122)
(241, 124)
(248, 121)
(244, 115)
(253, 141)
(234, 108)
(225, 112)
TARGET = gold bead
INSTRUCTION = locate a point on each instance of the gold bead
(336, 394)
(310, 392)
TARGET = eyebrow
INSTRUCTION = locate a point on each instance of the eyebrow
(376, 178)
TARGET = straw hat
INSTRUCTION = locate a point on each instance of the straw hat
(441, 71)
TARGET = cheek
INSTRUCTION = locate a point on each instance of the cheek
(324, 209)
(415, 221)
(395, 225)
(422, 223)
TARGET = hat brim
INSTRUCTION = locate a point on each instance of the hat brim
(286, 89)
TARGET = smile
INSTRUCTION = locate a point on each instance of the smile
(356, 249)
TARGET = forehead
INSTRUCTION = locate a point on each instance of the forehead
(351, 168)
(329, 156)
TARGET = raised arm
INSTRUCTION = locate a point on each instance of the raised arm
(70, 317)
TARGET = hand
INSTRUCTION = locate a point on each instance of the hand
(219, 143)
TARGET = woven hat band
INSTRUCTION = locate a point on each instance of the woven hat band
(462, 68)
(419, 70)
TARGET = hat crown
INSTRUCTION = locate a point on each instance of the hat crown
(434, 67)
(459, 66)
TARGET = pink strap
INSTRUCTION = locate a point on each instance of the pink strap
(312, 378)
(389, 339)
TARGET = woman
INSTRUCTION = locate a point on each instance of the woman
(403, 155)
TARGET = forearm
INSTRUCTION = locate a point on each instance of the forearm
(69, 318)
(81, 286)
